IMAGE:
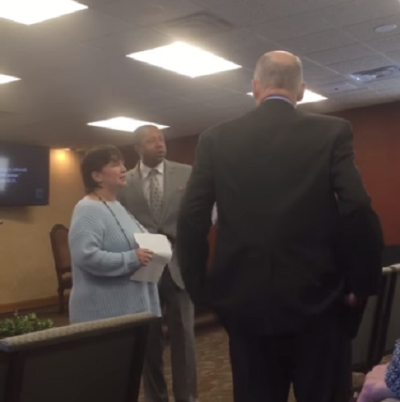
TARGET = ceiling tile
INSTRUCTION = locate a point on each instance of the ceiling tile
(366, 63)
(250, 12)
(80, 26)
(314, 72)
(213, 3)
(206, 93)
(241, 14)
(290, 27)
(356, 11)
(360, 95)
(323, 3)
(133, 40)
(96, 3)
(354, 94)
(74, 68)
(386, 44)
(149, 11)
(22, 36)
(196, 113)
(395, 56)
(393, 92)
(336, 88)
(385, 85)
(38, 64)
(233, 101)
(233, 112)
(236, 80)
(340, 54)
(249, 57)
(194, 90)
(231, 41)
(324, 80)
(314, 43)
(365, 31)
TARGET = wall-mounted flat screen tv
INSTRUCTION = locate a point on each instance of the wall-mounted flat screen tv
(24, 175)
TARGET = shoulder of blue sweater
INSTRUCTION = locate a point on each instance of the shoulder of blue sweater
(87, 207)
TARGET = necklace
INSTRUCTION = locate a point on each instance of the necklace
(119, 223)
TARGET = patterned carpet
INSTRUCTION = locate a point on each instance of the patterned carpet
(214, 377)
(213, 367)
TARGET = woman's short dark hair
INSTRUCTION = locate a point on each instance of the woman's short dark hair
(94, 161)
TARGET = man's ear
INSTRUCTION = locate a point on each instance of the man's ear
(300, 95)
(255, 85)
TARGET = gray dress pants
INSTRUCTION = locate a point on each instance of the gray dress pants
(180, 322)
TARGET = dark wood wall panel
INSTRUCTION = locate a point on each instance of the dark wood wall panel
(377, 146)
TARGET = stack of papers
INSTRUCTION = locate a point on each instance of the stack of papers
(161, 247)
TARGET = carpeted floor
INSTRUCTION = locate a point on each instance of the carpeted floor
(214, 377)
(213, 367)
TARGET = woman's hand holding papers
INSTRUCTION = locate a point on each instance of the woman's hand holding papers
(144, 256)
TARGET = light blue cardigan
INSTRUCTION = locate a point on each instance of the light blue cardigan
(102, 264)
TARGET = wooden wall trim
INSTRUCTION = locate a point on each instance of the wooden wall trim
(29, 304)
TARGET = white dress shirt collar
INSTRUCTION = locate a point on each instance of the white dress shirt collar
(145, 170)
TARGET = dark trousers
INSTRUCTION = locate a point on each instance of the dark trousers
(316, 361)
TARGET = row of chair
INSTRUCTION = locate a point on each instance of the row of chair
(95, 361)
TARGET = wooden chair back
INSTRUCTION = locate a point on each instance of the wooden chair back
(62, 260)
(60, 248)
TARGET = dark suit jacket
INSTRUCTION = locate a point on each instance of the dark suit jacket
(295, 222)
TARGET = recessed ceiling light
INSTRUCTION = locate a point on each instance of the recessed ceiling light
(386, 28)
(30, 12)
(124, 124)
(4, 79)
(309, 97)
(185, 59)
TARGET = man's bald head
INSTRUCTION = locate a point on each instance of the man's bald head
(279, 73)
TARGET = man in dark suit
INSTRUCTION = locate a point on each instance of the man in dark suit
(297, 240)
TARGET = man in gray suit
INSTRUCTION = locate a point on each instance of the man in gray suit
(153, 195)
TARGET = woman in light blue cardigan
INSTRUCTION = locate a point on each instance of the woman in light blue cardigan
(103, 249)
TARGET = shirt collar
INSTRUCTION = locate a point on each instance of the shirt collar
(145, 170)
(277, 97)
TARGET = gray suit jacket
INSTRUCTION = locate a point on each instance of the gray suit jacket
(133, 199)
